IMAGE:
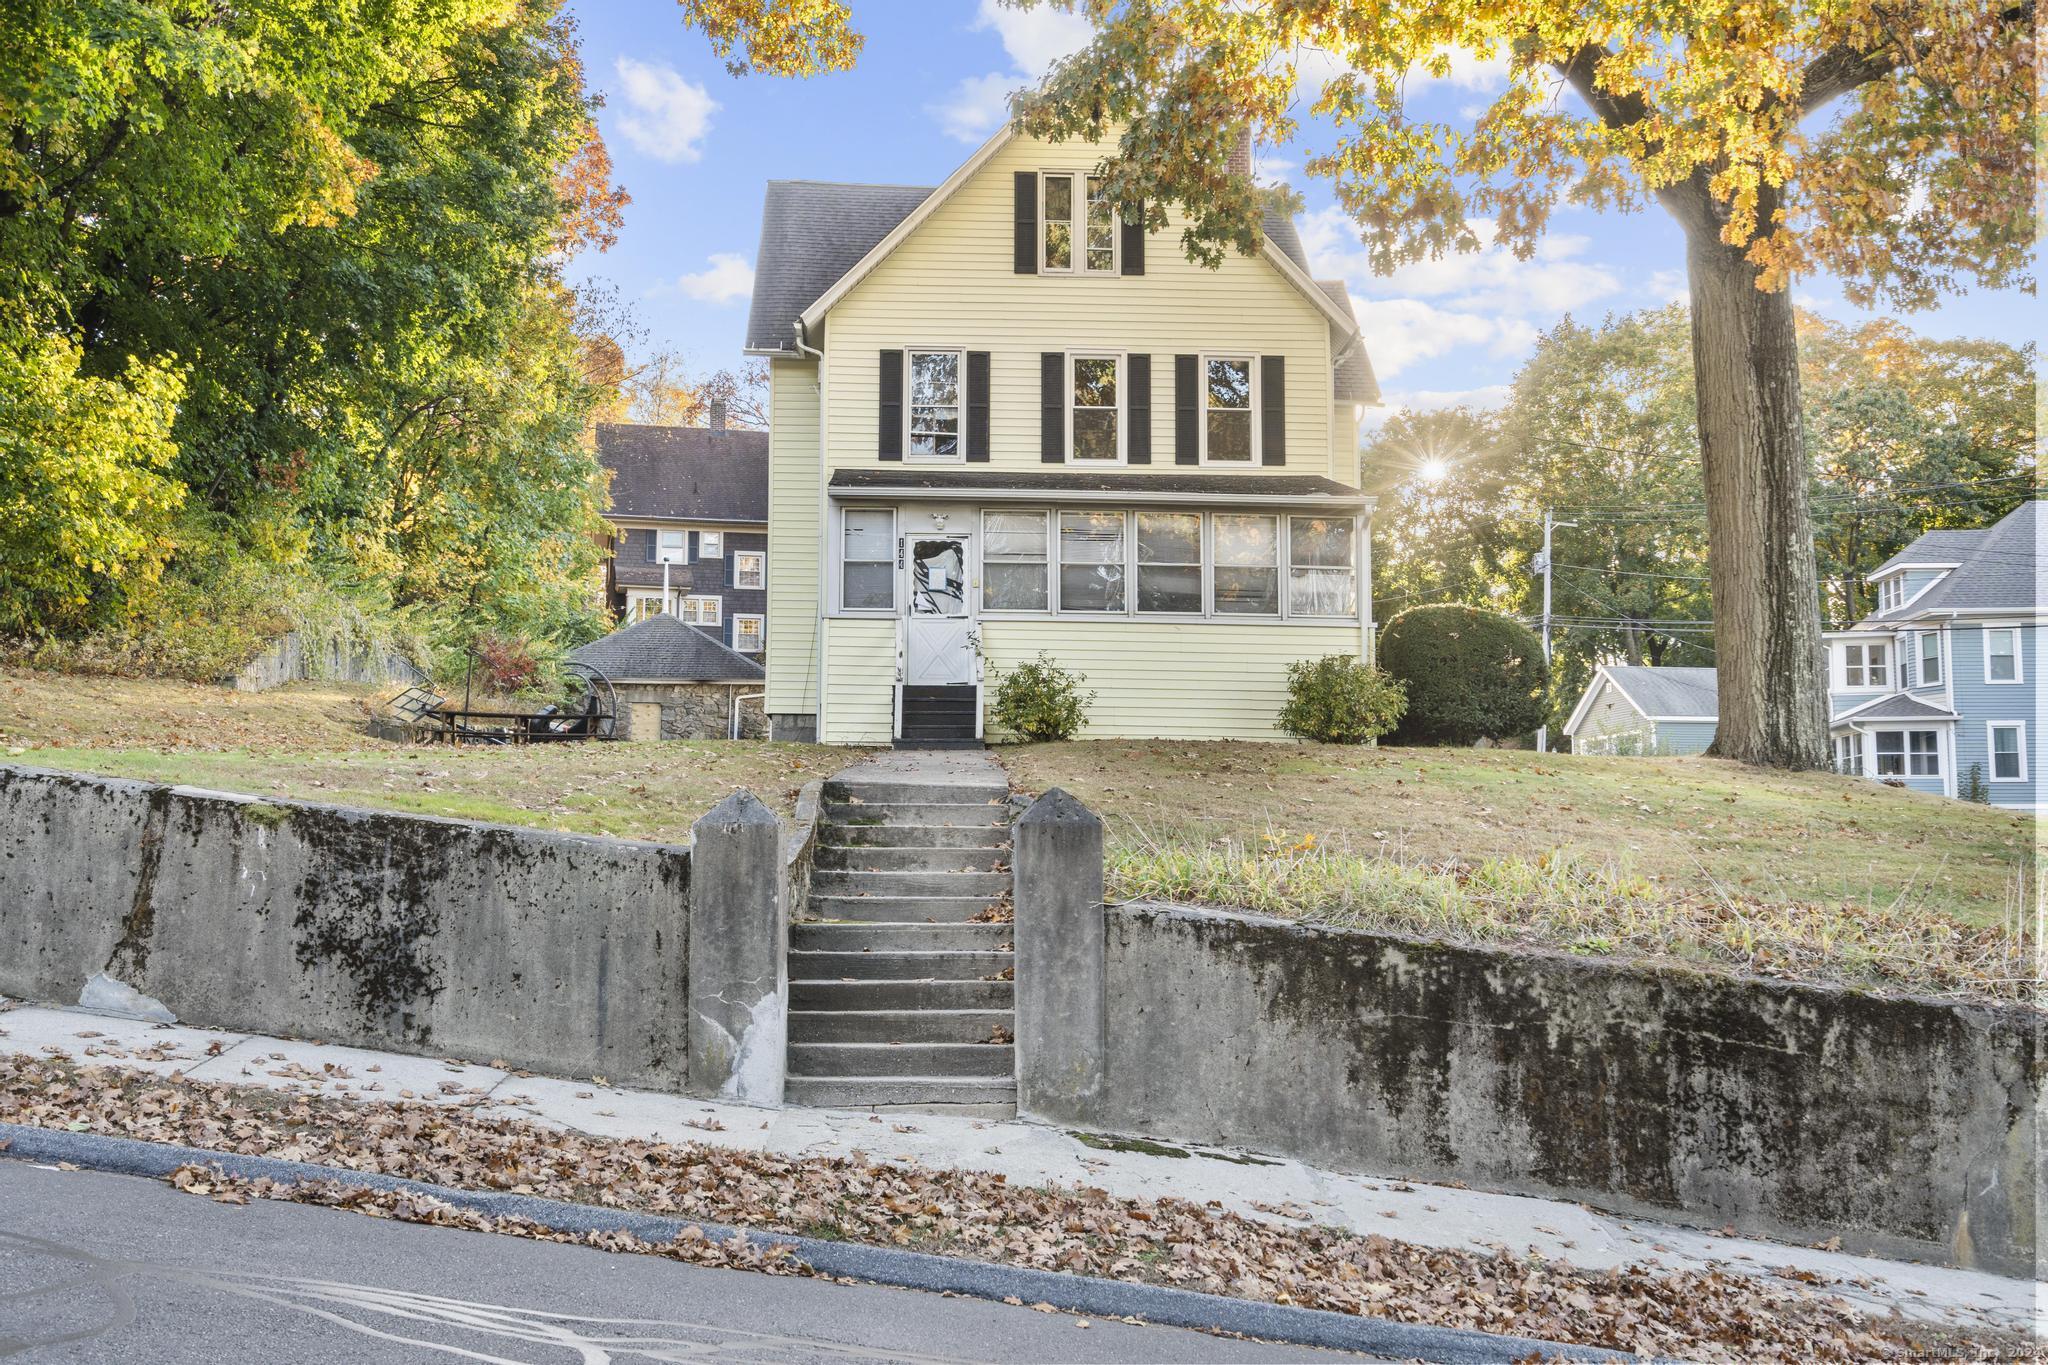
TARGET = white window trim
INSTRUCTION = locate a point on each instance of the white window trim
(1203, 612)
(636, 596)
(1889, 646)
(1123, 406)
(1905, 734)
(1940, 658)
(1281, 554)
(1049, 519)
(1077, 228)
(702, 553)
(682, 550)
(838, 564)
(761, 558)
(700, 601)
(1058, 562)
(909, 408)
(1991, 727)
(1287, 567)
(1251, 359)
(760, 632)
(2019, 659)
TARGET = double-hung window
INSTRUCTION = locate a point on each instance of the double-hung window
(867, 560)
(2008, 752)
(1095, 409)
(711, 545)
(934, 407)
(1228, 433)
(1930, 658)
(1891, 594)
(2001, 654)
(1080, 231)
(746, 634)
(1170, 562)
(1849, 755)
(1322, 572)
(672, 547)
(1091, 561)
(1014, 562)
(703, 611)
(749, 569)
(1863, 665)
(1247, 572)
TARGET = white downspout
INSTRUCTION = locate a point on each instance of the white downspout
(818, 647)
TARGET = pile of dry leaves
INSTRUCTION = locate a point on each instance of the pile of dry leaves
(1083, 1231)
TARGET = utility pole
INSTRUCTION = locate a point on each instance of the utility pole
(1543, 564)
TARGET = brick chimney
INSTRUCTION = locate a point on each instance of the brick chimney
(1241, 155)
(718, 414)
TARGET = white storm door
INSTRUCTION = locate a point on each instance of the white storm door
(938, 645)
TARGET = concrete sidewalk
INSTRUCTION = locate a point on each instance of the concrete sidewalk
(1277, 1191)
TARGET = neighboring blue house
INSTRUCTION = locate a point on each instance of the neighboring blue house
(1937, 689)
(1636, 709)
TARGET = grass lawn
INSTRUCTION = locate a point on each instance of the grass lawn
(1808, 874)
(307, 741)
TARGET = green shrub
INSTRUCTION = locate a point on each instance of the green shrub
(1340, 699)
(1469, 674)
(1041, 701)
(1974, 787)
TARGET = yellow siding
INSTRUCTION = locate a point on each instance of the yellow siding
(1168, 680)
(793, 511)
(1344, 444)
(951, 283)
(860, 663)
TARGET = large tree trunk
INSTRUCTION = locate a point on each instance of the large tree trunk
(1766, 593)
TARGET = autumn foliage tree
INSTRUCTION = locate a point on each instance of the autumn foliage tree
(1888, 141)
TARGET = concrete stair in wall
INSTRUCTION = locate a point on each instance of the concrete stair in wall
(900, 979)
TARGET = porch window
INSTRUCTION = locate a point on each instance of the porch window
(749, 569)
(2001, 654)
(1058, 242)
(642, 606)
(867, 571)
(1247, 573)
(935, 405)
(1014, 562)
(1322, 578)
(1904, 753)
(1863, 666)
(2008, 753)
(746, 634)
(1227, 420)
(1091, 561)
(1095, 432)
(1101, 247)
(711, 545)
(1849, 755)
(703, 611)
(1170, 561)
(1930, 658)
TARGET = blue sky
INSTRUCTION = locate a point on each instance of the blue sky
(694, 147)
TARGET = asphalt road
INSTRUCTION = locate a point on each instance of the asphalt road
(97, 1267)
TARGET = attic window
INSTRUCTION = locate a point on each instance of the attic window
(1891, 594)
(1081, 223)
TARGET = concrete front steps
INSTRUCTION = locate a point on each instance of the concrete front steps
(900, 982)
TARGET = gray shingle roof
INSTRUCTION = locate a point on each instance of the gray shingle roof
(1071, 480)
(685, 473)
(1999, 567)
(1279, 226)
(1900, 707)
(663, 649)
(1692, 693)
(811, 234)
(1356, 383)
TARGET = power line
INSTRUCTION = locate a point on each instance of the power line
(1637, 573)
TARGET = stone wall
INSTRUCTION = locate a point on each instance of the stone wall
(696, 710)
(1903, 1126)
(550, 952)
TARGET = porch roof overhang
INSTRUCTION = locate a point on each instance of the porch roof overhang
(1117, 486)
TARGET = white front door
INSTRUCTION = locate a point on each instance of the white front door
(938, 645)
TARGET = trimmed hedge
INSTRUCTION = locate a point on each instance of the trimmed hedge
(1469, 674)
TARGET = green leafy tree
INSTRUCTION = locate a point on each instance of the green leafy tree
(1893, 146)
(1468, 674)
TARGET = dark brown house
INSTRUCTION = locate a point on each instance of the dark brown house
(689, 519)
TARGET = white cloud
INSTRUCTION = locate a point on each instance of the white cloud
(1033, 39)
(727, 279)
(1315, 67)
(1490, 279)
(1668, 286)
(666, 116)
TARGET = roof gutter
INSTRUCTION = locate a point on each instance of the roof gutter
(882, 492)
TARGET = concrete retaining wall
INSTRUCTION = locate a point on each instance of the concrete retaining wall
(551, 952)
(1905, 1126)
(289, 661)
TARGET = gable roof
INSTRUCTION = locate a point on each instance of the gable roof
(1997, 568)
(1655, 693)
(799, 261)
(1897, 706)
(663, 649)
(685, 473)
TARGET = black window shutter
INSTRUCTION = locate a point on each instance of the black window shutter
(977, 407)
(1187, 409)
(1052, 407)
(1139, 406)
(647, 546)
(693, 547)
(1027, 223)
(889, 423)
(1273, 409)
(1134, 239)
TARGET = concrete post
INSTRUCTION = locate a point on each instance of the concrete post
(739, 937)
(1062, 1015)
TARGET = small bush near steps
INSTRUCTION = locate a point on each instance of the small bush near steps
(1340, 699)
(1041, 701)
